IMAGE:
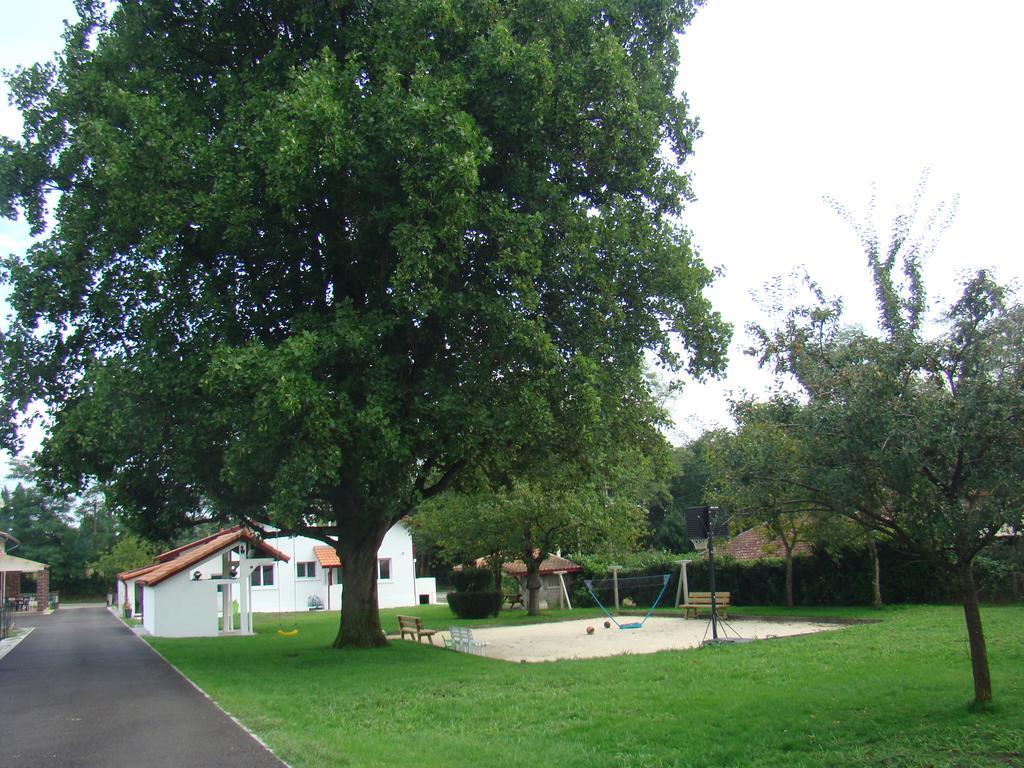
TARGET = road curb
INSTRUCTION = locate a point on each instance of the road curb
(209, 698)
(8, 645)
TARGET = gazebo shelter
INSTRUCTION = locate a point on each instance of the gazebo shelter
(11, 568)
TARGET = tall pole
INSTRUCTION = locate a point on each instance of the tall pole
(711, 573)
(615, 584)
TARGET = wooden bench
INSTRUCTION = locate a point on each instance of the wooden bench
(514, 600)
(413, 626)
(462, 640)
(701, 601)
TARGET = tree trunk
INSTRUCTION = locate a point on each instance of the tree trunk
(360, 614)
(975, 635)
(876, 571)
(423, 557)
(1017, 578)
(789, 577)
(533, 584)
(496, 563)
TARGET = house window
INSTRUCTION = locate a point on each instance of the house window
(262, 576)
(384, 569)
(305, 570)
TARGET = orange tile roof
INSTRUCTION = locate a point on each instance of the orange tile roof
(170, 554)
(197, 552)
(125, 575)
(327, 557)
(757, 543)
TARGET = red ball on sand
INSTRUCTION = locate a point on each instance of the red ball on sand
(590, 630)
(607, 625)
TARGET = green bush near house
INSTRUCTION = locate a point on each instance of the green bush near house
(474, 597)
(474, 605)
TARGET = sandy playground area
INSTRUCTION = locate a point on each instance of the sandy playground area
(569, 639)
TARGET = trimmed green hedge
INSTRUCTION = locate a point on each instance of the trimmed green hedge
(474, 597)
(818, 579)
(470, 579)
(474, 605)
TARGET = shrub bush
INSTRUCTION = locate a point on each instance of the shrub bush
(472, 580)
(474, 597)
(474, 605)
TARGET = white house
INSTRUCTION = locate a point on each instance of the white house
(314, 573)
(189, 590)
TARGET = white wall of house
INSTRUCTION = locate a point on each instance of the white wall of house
(396, 584)
(290, 591)
(181, 607)
(126, 591)
(426, 587)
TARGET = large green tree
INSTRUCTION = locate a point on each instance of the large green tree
(309, 262)
(919, 437)
(685, 486)
(63, 533)
(44, 527)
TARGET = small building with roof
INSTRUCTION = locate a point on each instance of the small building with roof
(189, 590)
(554, 589)
(11, 569)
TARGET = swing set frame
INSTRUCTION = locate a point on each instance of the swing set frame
(588, 583)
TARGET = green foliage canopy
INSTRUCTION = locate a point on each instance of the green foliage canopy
(311, 261)
(128, 553)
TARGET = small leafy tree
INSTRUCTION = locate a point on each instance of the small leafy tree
(129, 553)
(528, 521)
(761, 475)
(920, 439)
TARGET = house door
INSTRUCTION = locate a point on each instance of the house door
(138, 599)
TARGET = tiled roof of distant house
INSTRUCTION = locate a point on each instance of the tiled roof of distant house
(757, 543)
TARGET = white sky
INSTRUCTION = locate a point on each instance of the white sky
(799, 99)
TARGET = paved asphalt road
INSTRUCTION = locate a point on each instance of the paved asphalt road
(82, 691)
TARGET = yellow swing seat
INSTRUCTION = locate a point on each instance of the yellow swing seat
(287, 632)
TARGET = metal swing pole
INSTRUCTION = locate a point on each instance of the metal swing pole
(711, 579)
(711, 573)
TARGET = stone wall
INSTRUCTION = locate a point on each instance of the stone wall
(42, 590)
(13, 584)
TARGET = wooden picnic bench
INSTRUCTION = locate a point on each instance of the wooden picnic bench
(413, 626)
(701, 601)
(515, 599)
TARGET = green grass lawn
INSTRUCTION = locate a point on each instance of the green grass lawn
(893, 693)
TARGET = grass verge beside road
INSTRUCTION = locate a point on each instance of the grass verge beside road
(892, 693)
